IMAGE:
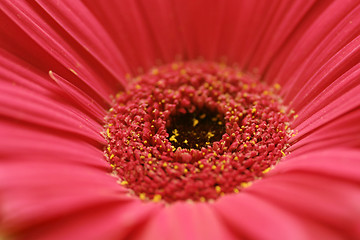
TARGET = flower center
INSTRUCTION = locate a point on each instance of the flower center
(195, 131)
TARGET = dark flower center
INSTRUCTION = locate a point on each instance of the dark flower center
(195, 131)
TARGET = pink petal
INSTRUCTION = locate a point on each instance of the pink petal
(75, 18)
(17, 72)
(185, 221)
(322, 187)
(250, 217)
(342, 131)
(61, 49)
(24, 105)
(335, 163)
(332, 58)
(79, 97)
(319, 22)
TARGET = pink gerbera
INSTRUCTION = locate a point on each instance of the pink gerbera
(179, 119)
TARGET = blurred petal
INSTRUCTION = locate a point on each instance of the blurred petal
(185, 221)
(320, 186)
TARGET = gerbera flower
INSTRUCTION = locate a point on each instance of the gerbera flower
(180, 120)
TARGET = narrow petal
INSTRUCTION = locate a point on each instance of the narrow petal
(321, 186)
(75, 18)
(342, 131)
(62, 48)
(245, 215)
(79, 97)
(185, 221)
(44, 112)
(319, 22)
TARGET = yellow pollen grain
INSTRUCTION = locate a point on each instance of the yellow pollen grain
(174, 66)
(113, 165)
(112, 156)
(202, 116)
(155, 71)
(150, 162)
(145, 142)
(245, 184)
(266, 170)
(218, 189)
(245, 145)
(73, 71)
(253, 110)
(186, 141)
(109, 149)
(137, 86)
(195, 122)
(283, 153)
(239, 74)
(108, 132)
(142, 196)
(182, 71)
(277, 86)
(173, 138)
(142, 157)
(157, 198)
(175, 132)
(185, 170)
(128, 76)
(213, 167)
(149, 155)
(164, 164)
(210, 135)
(124, 182)
(201, 166)
(236, 190)
(176, 167)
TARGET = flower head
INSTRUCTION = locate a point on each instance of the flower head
(179, 119)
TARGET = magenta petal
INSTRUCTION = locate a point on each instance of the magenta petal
(250, 217)
(342, 131)
(52, 41)
(75, 18)
(79, 96)
(186, 221)
(335, 163)
(321, 186)
(24, 105)
(17, 72)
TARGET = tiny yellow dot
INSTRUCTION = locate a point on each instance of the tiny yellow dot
(142, 196)
(157, 198)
